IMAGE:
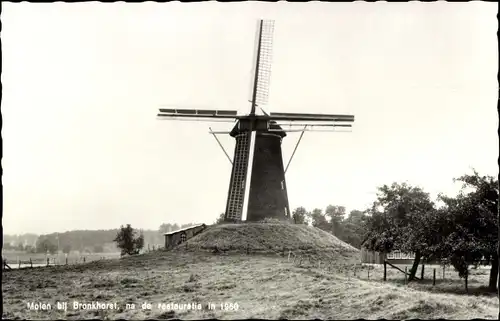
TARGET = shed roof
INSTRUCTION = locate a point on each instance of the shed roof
(183, 229)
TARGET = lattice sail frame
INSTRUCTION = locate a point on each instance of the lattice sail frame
(265, 62)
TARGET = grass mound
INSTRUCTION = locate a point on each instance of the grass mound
(270, 238)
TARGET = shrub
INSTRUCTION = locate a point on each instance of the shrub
(127, 242)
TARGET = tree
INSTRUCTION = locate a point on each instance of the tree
(220, 219)
(394, 215)
(66, 248)
(354, 228)
(165, 228)
(139, 242)
(469, 226)
(45, 246)
(318, 219)
(484, 202)
(299, 215)
(7, 246)
(336, 215)
(127, 241)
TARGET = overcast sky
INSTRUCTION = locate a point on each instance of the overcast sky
(83, 148)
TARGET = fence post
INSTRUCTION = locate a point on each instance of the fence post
(47, 261)
(31, 263)
(466, 281)
(443, 270)
(434, 277)
(385, 270)
(406, 271)
(422, 272)
(19, 262)
(289, 252)
(368, 272)
(84, 259)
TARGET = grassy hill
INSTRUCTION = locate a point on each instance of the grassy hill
(272, 238)
(263, 284)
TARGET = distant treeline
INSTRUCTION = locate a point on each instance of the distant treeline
(91, 241)
(18, 241)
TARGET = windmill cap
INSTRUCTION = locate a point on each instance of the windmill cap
(244, 125)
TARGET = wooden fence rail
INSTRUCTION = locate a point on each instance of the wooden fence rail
(395, 267)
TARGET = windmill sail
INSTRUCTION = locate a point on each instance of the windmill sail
(312, 117)
(261, 70)
(168, 112)
(265, 61)
(197, 114)
(253, 71)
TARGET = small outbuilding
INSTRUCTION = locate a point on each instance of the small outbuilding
(177, 237)
(372, 257)
(395, 257)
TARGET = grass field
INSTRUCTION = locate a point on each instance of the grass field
(13, 257)
(447, 283)
(263, 285)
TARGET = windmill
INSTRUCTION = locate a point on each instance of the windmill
(257, 188)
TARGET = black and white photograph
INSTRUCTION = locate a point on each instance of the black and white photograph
(250, 160)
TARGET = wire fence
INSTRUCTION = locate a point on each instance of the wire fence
(52, 260)
(425, 274)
